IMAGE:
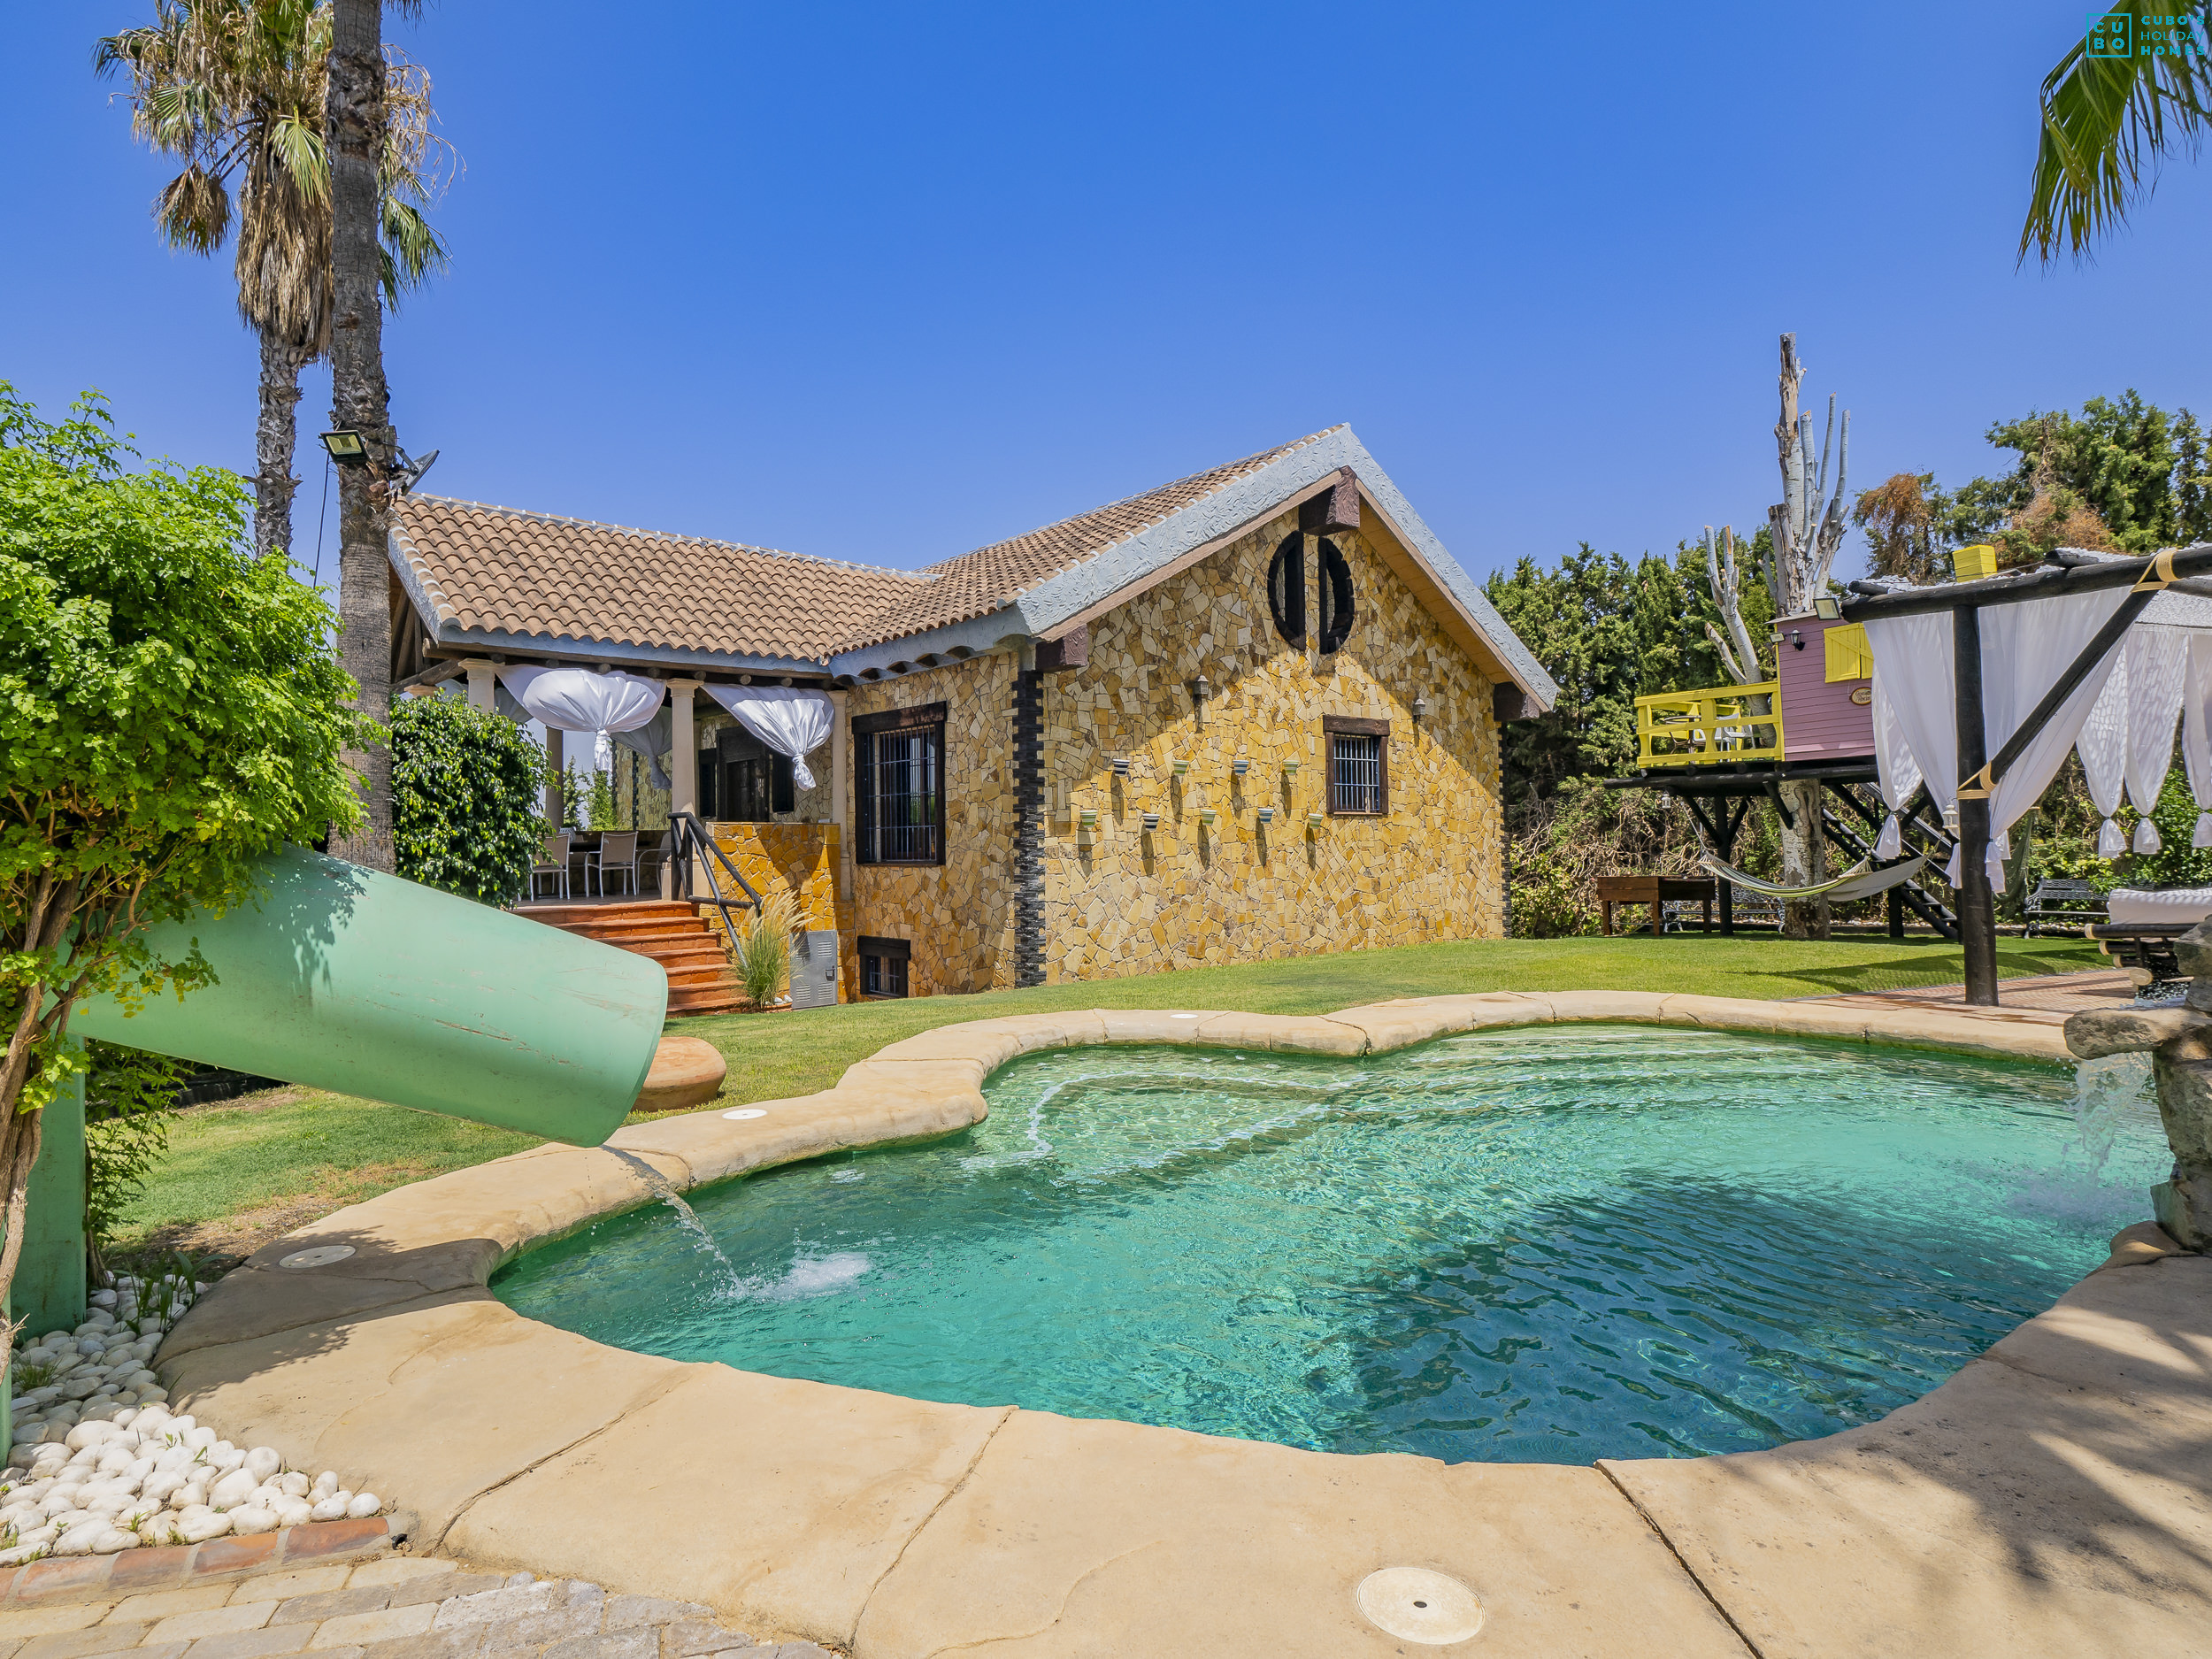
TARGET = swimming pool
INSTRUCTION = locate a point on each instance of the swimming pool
(1543, 1244)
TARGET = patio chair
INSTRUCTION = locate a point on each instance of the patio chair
(552, 864)
(619, 854)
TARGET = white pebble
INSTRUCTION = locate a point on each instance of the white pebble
(363, 1505)
(196, 1524)
(292, 1512)
(325, 1483)
(232, 1490)
(332, 1508)
(293, 1483)
(263, 1462)
(251, 1519)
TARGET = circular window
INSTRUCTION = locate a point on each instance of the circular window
(1286, 589)
(1336, 610)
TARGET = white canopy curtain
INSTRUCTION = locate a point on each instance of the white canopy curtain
(2129, 736)
(1912, 679)
(578, 700)
(1899, 774)
(2024, 648)
(2196, 734)
(787, 721)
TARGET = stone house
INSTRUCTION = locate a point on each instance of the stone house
(1252, 713)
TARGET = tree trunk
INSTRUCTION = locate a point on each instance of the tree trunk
(1804, 861)
(274, 436)
(353, 123)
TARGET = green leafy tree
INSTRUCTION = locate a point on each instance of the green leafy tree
(169, 713)
(465, 799)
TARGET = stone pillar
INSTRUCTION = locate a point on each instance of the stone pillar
(2180, 1041)
(683, 760)
(841, 793)
(482, 677)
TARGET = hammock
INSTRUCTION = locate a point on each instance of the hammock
(1862, 881)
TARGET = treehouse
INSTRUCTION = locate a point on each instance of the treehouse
(1721, 748)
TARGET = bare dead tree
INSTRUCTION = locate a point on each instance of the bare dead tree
(1804, 530)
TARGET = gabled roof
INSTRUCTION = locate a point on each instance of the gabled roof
(495, 577)
(977, 584)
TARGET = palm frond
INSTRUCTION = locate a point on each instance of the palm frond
(2107, 123)
(297, 148)
(193, 211)
(412, 251)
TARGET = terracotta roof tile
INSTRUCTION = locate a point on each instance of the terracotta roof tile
(528, 573)
(531, 573)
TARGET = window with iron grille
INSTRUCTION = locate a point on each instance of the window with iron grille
(883, 966)
(1359, 765)
(900, 761)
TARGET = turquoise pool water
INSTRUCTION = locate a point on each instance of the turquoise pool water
(1538, 1245)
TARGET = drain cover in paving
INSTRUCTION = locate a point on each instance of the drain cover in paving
(1415, 1604)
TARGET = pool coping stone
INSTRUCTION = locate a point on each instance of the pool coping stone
(2054, 1490)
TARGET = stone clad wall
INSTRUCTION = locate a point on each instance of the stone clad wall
(800, 858)
(958, 917)
(1120, 902)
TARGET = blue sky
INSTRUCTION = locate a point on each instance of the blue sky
(884, 283)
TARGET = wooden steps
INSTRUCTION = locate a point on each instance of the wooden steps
(700, 978)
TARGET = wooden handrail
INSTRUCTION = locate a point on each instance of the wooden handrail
(1699, 718)
(690, 827)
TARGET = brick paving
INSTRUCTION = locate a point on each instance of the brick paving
(291, 1597)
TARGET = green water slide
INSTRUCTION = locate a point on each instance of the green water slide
(345, 980)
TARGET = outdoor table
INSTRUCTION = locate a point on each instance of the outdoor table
(583, 859)
(1653, 891)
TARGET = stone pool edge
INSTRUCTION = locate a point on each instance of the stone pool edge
(895, 1527)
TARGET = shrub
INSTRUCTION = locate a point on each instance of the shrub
(466, 814)
(763, 951)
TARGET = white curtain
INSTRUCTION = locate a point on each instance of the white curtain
(577, 700)
(787, 721)
(1899, 773)
(652, 740)
(2157, 665)
(2103, 749)
(2196, 734)
(1912, 672)
(2026, 647)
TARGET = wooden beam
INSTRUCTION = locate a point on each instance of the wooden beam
(1978, 908)
(2048, 582)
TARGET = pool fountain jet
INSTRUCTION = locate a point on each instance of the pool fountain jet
(2180, 1041)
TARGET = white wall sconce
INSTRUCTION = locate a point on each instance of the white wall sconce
(1151, 822)
(1420, 709)
(1201, 689)
(1241, 767)
(1120, 764)
(1267, 815)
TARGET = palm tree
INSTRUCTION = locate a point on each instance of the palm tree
(358, 115)
(2108, 121)
(235, 88)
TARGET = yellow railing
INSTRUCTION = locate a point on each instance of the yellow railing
(1717, 727)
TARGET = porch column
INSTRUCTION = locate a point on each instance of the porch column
(557, 782)
(840, 794)
(683, 790)
(683, 771)
(482, 677)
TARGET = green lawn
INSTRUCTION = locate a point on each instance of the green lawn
(244, 1172)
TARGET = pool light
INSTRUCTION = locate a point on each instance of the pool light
(743, 1112)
